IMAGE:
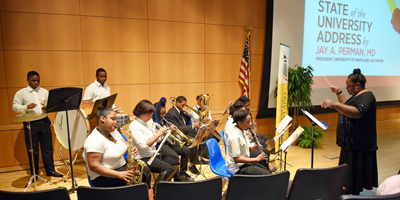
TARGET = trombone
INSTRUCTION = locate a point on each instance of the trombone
(171, 138)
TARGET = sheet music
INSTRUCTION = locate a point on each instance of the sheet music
(315, 120)
(282, 125)
(292, 138)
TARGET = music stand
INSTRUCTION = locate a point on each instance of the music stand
(110, 101)
(64, 99)
(288, 143)
(281, 129)
(314, 121)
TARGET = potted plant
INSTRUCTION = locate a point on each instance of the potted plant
(305, 139)
(300, 80)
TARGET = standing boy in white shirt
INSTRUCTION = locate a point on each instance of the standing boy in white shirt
(33, 100)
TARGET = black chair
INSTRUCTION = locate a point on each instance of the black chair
(60, 193)
(210, 189)
(137, 192)
(323, 184)
(271, 186)
(383, 197)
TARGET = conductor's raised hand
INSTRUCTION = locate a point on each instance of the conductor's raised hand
(328, 104)
(335, 89)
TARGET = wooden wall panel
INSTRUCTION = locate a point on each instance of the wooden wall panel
(259, 13)
(1, 35)
(129, 95)
(4, 107)
(224, 39)
(114, 34)
(41, 6)
(255, 87)
(222, 67)
(176, 68)
(6, 149)
(257, 62)
(3, 78)
(56, 68)
(176, 37)
(23, 31)
(228, 12)
(188, 90)
(223, 93)
(257, 41)
(19, 147)
(115, 8)
(177, 10)
(121, 67)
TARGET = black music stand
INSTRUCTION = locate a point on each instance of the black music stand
(64, 99)
(314, 121)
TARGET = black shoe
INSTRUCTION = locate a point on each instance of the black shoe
(55, 174)
(185, 177)
(203, 161)
(194, 170)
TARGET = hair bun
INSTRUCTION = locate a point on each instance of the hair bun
(357, 71)
(163, 101)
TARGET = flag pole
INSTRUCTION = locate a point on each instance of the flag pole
(249, 29)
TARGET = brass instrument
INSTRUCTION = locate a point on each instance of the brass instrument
(206, 98)
(216, 134)
(182, 137)
(171, 138)
(134, 165)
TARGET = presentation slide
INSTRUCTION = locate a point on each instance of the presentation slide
(340, 35)
(334, 37)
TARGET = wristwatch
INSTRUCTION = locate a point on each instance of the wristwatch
(340, 92)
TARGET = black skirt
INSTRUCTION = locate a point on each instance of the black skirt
(363, 170)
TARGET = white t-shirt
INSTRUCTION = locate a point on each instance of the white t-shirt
(141, 132)
(113, 153)
(229, 126)
(238, 146)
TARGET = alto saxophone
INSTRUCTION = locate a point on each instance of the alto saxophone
(134, 165)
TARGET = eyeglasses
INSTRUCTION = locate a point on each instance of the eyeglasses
(150, 114)
(349, 86)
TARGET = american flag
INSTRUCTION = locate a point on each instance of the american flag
(244, 75)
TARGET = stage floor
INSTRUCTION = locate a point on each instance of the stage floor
(388, 160)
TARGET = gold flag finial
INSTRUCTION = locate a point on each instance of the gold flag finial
(249, 28)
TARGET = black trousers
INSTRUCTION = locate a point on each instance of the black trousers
(170, 151)
(158, 166)
(253, 169)
(41, 134)
(103, 181)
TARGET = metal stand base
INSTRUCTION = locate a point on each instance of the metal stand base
(66, 164)
(202, 174)
(33, 177)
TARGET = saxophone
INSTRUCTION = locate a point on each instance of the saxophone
(134, 165)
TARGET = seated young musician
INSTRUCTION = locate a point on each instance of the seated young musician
(238, 158)
(145, 138)
(104, 151)
(172, 151)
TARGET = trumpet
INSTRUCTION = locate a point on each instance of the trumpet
(178, 134)
(171, 138)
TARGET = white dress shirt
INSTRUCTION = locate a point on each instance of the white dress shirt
(28, 95)
(141, 132)
(96, 91)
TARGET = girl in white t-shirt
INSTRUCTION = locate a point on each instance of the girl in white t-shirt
(104, 153)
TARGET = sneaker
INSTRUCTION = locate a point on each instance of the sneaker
(194, 170)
